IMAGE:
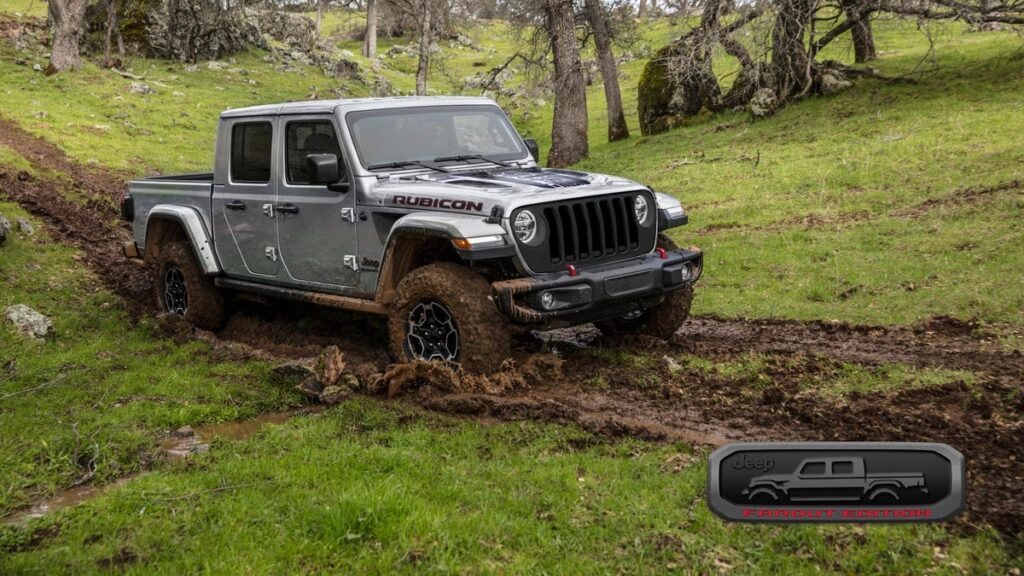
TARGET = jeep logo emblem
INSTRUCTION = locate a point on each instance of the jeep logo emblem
(836, 482)
(746, 462)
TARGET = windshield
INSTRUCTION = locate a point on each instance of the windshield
(426, 134)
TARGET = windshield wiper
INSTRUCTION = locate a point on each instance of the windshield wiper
(472, 157)
(405, 163)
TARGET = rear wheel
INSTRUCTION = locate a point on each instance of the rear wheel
(445, 311)
(661, 321)
(182, 288)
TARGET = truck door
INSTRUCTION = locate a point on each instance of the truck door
(316, 227)
(243, 203)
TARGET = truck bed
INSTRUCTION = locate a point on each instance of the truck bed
(194, 177)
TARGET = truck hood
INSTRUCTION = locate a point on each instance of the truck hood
(479, 191)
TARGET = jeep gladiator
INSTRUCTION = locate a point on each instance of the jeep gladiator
(431, 211)
(831, 479)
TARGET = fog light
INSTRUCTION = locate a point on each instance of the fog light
(547, 300)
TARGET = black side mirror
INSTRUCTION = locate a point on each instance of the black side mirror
(533, 147)
(322, 168)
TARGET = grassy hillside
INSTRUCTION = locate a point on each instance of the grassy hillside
(885, 204)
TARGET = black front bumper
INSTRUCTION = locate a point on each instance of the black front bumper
(600, 292)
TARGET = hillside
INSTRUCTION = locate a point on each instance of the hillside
(862, 283)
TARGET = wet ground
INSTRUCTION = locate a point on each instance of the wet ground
(554, 378)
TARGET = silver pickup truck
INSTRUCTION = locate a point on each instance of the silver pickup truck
(431, 211)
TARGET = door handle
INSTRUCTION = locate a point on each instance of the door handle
(236, 205)
(288, 209)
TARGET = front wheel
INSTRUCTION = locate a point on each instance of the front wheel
(661, 321)
(445, 312)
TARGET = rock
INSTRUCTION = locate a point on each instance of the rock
(296, 370)
(37, 67)
(833, 82)
(191, 68)
(330, 366)
(216, 65)
(5, 229)
(335, 394)
(310, 388)
(140, 88)
(25, 227)
(184, 432)
(671, 364)
(763, 103)
(28, 321)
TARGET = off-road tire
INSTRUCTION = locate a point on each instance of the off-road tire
(661, 321)
(205, 301)
(484, 334)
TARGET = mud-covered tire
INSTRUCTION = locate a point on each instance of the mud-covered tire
(661, 321)
(205, 303)
(484, 335)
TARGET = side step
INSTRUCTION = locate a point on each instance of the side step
(320, 298)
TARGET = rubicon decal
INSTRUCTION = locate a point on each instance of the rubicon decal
(446, 203)
(836, 482)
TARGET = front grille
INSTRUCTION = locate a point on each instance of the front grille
(589, 231)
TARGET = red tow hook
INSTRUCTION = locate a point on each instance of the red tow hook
(661, 252)
(572, 270)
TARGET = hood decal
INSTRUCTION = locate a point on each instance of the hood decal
(539, 177)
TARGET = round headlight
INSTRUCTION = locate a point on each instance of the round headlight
(525, 226)
(641, 208)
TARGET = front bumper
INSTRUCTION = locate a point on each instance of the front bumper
(599, 292)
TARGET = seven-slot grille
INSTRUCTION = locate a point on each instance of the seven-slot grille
(589, 231)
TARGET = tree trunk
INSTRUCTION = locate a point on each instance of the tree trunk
(424, 64)
(319, 17)
(617, 129)
(641, 12)
(791, 65)
(569, 128)
(863, 38)
(68, 17)
(370, 37)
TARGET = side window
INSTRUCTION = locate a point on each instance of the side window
(250, 152)
(813, 469)
(305, 138)
(842, 467)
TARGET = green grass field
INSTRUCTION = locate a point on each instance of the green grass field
(886, 204)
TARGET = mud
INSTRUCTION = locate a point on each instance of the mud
(658, 401)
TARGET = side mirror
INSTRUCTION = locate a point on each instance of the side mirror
(323, 169)
(533, 147)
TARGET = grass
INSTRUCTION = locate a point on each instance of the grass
(90, 402)
(363, 488)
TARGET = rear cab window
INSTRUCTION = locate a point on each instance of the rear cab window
(251, 145)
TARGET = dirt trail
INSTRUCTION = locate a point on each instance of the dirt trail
(654, 402)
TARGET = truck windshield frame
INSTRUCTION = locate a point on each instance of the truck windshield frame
(388, 136)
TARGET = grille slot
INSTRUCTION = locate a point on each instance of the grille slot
(589, 231)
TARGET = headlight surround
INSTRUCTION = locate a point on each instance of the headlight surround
(525, 226)
(642, 207)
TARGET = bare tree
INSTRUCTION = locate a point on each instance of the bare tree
(569, 127)
(68, 18)
(617, 129)
(113, 29)
(860, 30)
(423, 67)
(370, 36)
(641, 11)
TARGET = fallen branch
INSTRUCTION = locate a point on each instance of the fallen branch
(128, 75)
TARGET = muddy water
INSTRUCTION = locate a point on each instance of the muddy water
(180, 445)
(64, 499)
